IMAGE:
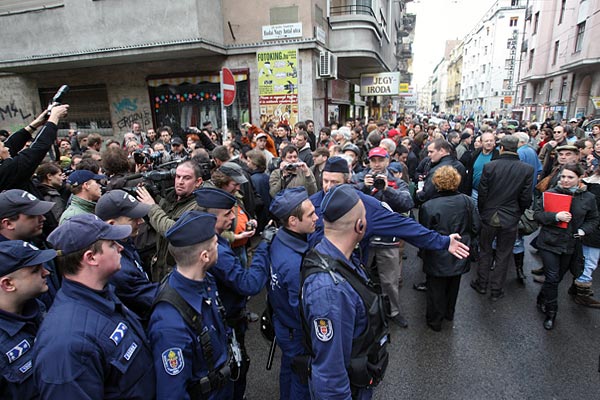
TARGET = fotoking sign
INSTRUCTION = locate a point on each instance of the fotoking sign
(383, 84)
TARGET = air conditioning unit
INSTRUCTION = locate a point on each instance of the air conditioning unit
(327, 65)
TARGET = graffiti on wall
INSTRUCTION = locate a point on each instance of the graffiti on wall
(127, 112)
(11, 111)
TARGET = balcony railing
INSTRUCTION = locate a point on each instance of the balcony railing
(355, 9)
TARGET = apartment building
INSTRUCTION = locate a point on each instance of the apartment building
(560, 68)
(158, 63)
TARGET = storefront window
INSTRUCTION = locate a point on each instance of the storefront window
(181, 102)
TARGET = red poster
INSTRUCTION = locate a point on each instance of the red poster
(555, 202)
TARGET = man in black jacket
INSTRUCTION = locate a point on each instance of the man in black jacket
(17, 165)
(504, 194)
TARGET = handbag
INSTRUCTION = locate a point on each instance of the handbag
(528, 224)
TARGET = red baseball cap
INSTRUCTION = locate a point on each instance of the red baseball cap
(378, 152)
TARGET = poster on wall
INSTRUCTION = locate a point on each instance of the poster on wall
(278, 86)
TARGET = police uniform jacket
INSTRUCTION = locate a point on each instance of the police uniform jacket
(235, 282)
(90, 346)
(287, 250)
(131, 282)
(17, 335)
(176, 347)
(382, 221)
(336, 315)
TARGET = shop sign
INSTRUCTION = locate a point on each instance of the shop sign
(383, 84)
(282, 31)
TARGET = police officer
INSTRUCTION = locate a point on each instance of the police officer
(297, 216)
(191, 356)
(90, 345)
(342, 312)
(382, 220)
(22, 278)
(22, 218)
(235, 282)
(131, 282)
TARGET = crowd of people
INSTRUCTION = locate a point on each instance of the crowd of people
(126, 266)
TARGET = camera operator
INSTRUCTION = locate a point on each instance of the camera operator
(291, 173)
(384, 259)
(17, 165)
(162, 216)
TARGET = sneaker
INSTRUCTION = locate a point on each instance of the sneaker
(251, 316)
(475, 285)
(399, 320)
(496, 295)
(539, 279)
(420, 287)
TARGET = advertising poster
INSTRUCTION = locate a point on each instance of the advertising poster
(278, 86)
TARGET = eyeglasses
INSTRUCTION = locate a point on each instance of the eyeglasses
(558, 131)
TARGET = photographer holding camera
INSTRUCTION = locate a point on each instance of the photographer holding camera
(384, 259)
(291, 173)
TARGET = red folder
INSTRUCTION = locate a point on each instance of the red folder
(555, 202)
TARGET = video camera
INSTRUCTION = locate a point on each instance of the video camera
(57, 99)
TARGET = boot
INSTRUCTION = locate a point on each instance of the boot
(538, 271)
(549, 321)
(583, 295)
(541, 305)
(519, 265)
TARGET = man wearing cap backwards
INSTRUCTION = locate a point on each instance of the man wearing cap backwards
(22, 279)
(131, 282)
(297, 216)
(235, 282)
(162, 216)
(86, 190)
(90, 345)
(340, 308)
(22, 218)
(505, 192)
(191, 359)
(382, 220)
(384, 261)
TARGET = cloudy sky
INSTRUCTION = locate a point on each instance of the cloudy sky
(438, 21)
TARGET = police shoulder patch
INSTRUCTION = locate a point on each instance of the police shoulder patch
(119, 333)
(17, 351)
(173, 360)
(323, 329)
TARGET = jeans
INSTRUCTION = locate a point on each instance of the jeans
(555, 267)
(591, 256)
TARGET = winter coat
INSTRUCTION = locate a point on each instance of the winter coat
(584, 216)
(447, 213)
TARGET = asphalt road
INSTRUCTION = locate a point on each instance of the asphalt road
(490, 351)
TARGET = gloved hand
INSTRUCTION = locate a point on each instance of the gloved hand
(269, 233)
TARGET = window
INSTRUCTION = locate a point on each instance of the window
(579, 39)
(563, 89)
(531, 54)
(485, 51)
(487, 30)
(90, 109)
(514, 3)
(555, 55)
(550, 84)
(563, 5)
(536, 20)
(507, 63)
(514, 21)
(505, 84)
(483, 69)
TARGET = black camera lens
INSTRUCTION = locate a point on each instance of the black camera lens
(379, 184)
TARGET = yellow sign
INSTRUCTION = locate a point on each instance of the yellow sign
(278, 85)
(596, 101)
(404, 87)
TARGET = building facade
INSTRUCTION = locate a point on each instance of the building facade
(158, 62)
(560, 71)
(455, 61)
(491, 60)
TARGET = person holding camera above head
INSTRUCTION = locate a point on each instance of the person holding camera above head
(17, 165)
(384, 259)
(291, 173)
(162, 216)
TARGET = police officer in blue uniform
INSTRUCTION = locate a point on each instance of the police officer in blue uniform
(90, 345)
(22, 278)
(344, 315)
(382, 220)
(189, 336)
(22, 218)
(234, 281)
(297, 216)
(131, 282)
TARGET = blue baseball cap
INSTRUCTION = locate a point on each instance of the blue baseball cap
(16, 201)
(214, 198)
(338, 201)
(17, 254)
(192, 227)
(286, 201)
(118, 203)
(82, 231)
(81, 176)
(395, 167)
